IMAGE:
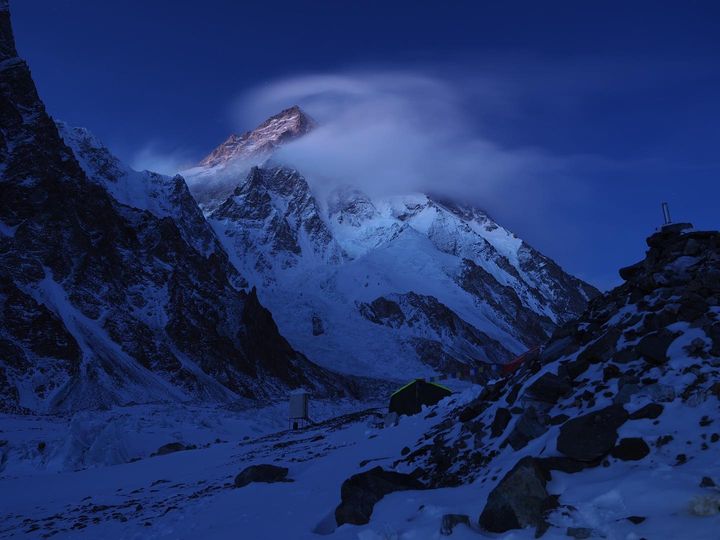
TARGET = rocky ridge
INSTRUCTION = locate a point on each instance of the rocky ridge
(630, 387)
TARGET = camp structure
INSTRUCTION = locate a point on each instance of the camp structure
(410, 398)
(298, 416)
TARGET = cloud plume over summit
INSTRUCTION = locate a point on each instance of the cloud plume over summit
(394, 133)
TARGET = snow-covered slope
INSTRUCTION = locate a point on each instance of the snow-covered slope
(466, 291)
(609, 432)
(113, 288)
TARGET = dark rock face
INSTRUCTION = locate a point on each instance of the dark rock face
(360, 492)
(271, 234)
(593, 435)
(444, 339)
(506, 302)
(631, 449)
(519, 500)
(261, 473)
(104, 303)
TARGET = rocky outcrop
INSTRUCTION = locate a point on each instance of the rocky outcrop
(519, 500)
(598, 393)
(442, 338)
(360, 492)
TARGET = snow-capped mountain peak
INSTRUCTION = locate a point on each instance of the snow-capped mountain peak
(283, 127)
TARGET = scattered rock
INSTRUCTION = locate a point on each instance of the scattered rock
(360, 492)
(579, 532)
(548, 388)
(318, 328)
(450, 521)
(591, 436)
(519, 500)
(602, 349)
(631, 449)
(500, 422)
(707, 482)
(169, 448)
(653, 347)
(265, 473)
(528, 427)
(651, 410)
(468, 413)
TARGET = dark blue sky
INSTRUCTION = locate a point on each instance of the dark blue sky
(627, 91)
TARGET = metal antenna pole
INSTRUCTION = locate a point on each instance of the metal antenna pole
(666, 213)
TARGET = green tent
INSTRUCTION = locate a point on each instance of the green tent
(410, 398)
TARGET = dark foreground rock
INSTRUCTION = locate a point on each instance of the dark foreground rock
(593, 435)
(169, 448)
(360, 492)
(261, 473)
(519, 500)
(631, 449)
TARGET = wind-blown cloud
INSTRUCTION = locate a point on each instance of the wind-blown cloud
(399, 132)
(152, 157)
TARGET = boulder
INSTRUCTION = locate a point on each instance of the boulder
(602, 349)
(169, 448)
(500, 422)
(591, 436)
(630, 272)
(631, 449)
(519, 500)
(707, 482)
(573, 369)
(360, 492)
(261, 473)
(450, 521)
(528, 427)
(548, 388)
(653, 347)
(651, 411)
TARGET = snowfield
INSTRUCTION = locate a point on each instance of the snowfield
(189, 494)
